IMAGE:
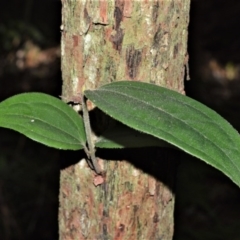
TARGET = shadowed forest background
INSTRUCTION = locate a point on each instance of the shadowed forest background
(207, 203)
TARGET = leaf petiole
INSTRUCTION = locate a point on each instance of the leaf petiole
(90, 151)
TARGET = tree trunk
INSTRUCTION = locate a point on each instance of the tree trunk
(105, 41)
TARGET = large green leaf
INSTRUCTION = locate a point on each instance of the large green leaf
(44, 119)
(175, 118)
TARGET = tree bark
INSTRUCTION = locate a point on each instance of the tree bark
(105, 41)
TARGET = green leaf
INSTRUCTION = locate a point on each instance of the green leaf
(175, 118)
(122, 136)
(44, 119)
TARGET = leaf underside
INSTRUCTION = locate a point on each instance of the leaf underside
(121, 136)
(44, 119)
(175, 118)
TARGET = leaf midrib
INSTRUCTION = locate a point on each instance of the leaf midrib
(47, 104)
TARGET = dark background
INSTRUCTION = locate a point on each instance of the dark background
(207, 203)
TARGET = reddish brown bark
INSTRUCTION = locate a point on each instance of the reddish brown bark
(105, 41)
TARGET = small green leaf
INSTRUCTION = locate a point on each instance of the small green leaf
(122, 136)
(44, 119)
(175, 118)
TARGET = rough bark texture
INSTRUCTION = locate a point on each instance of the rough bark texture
(105, 41)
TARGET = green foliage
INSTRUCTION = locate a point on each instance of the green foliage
(44, 119)
(156, 116)
(177, 119)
